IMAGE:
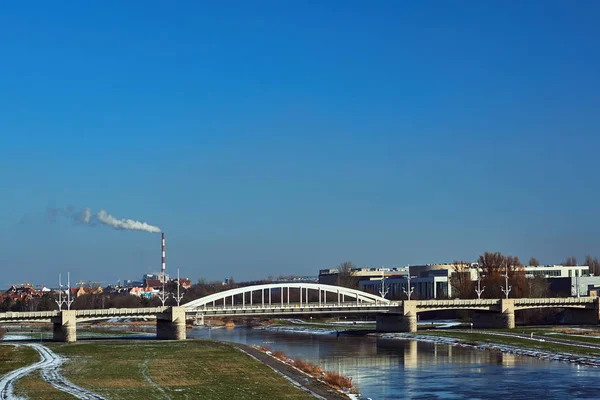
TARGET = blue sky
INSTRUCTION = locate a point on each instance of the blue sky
(282, 138)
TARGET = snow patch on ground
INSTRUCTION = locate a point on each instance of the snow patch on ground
(147, 378)
(571, 334)
(299, 329)
(50, 370)
(9, 337)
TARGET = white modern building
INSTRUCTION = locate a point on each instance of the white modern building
(556, 271)
(329, 276)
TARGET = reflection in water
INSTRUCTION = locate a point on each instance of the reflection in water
(410, 355)
(407, 369)
(508, 360)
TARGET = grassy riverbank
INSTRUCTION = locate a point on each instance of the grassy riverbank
(148, 369)
(33, 386)
(13, 357)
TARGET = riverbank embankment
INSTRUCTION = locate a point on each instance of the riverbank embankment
(541, 347)
(136, 369)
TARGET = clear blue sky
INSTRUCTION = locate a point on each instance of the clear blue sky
(285, 137)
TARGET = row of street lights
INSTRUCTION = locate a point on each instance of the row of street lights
(164, 297)
(68, 301)
(60, 300)
(479, 290)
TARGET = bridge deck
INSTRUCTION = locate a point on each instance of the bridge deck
(278, 309)
(305, 308)
(28, 316)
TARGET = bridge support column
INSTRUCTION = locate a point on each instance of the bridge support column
(170, 325)
(64, 326)
(502, 318)
(404, 319)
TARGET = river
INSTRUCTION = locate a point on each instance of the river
(407, 369)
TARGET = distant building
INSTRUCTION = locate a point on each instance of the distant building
(294, 278)
(78, 292)
(432, 284)
(556, 271)
(184, 283)
(330, 276)
(153, 283)
(432, 281)
(146, 292)
(129, 283)
(575, 286)
(20, 292)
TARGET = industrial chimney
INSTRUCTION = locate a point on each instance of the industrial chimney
(164, 265)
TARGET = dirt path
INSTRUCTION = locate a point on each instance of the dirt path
(309, 385)
(49, 366)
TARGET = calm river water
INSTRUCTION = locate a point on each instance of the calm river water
(407, 369)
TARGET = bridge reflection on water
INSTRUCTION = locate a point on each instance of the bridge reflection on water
(407, 369)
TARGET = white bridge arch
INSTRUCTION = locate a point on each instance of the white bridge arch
(262, 295)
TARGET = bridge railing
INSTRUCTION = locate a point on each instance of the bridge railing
(28, 314)
(456, 303)
(120, 312)
(291, 306)
(565, 300)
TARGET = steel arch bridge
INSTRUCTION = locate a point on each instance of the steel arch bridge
(286, 298)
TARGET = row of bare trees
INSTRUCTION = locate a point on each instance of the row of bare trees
(493, 269)
(593, 263)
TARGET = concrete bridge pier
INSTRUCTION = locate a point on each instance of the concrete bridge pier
(403, 319)
(170, 325)
(64, 326)
(503, 317)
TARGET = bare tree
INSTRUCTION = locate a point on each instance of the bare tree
(345, 276)
(593, 263)
(494, 266)
(538, 287)
(462, 285)
(571, 261)
(534, 262)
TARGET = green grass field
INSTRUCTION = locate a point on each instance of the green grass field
(13, 357)
(149, 369)
(33, 386)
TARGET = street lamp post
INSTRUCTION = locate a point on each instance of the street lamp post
(410, 288)
(60, 300)
(506, 289)
(383, 291)
(163, 298)
(479, 290)
(178, 297)
(69, 300)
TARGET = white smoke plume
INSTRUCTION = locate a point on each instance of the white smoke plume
(128, 224)
(85, 217)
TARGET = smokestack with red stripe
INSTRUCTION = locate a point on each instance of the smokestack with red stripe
(164, 264)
